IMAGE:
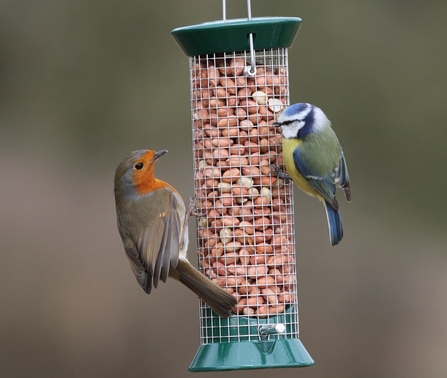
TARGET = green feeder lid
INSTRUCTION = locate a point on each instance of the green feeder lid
(232, 35)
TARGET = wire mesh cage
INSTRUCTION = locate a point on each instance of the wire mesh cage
(245, 236)
(245, 230)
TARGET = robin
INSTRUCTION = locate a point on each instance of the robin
(153, 224)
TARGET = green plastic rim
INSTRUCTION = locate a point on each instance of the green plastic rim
(228, 36)
(286, 353)
(235, 343)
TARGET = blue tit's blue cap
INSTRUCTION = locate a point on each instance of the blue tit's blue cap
(296, 108)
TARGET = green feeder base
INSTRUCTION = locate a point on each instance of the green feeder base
(268, 354)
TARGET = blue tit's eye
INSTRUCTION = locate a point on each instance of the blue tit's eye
(138, 166)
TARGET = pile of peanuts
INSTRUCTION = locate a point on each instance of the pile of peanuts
(245, 227)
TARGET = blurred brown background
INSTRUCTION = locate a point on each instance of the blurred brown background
(82, 83)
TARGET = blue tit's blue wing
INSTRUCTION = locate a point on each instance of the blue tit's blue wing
(343, 180)
(322, 182)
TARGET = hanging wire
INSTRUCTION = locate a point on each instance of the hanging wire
(224, 10)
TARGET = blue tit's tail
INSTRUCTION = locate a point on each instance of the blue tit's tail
(334, 223)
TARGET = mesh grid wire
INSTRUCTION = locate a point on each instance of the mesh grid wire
(245, 230)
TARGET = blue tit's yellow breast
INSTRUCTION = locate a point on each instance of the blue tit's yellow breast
(288, 146)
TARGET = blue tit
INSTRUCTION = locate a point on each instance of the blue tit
(314, 159)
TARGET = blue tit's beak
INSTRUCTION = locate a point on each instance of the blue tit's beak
(276, 124)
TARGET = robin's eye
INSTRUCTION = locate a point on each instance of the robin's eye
(138, 166)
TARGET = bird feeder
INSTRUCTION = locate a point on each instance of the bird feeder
(239, 83)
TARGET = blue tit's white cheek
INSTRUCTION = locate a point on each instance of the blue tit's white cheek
(291, 130)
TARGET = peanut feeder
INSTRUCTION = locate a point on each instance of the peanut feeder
(245, 231)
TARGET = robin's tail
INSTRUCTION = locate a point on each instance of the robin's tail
(220, 301)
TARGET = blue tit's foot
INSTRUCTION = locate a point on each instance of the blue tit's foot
(281, 174)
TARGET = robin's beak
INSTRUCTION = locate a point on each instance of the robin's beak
(159, 154)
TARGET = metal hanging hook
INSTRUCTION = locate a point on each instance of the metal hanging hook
(250, 71)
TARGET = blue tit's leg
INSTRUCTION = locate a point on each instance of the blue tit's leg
(281, 174)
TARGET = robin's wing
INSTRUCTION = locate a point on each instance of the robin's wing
(322, 179)
(137, 267)
(157, 244)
